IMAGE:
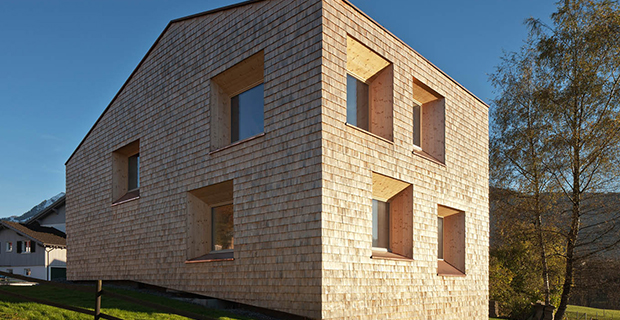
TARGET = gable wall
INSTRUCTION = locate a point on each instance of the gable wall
(276, 177)
(354, 285)
(55, 219)
(14, 259)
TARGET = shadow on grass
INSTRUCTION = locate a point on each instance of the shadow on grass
(112, 306)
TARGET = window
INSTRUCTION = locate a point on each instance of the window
(369, 90)
(428, 122)
(9, 271)
(27, 272)
(133, 172)
(357, 103)
(247, 113)
(392, 218)
(222, 228)
(440, 238)
(380, 224)
(29, 246)
(450, 241)
(237, 102)
(9, 246)
(126, 173)
(19, 247)
(210, 220)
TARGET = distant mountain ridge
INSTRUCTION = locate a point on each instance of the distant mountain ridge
(35, 210)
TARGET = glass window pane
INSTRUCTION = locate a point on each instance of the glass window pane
(380, 224)
(222, 228)
(357, 103)
(133, 175)
(351, 100)
(417, 129)
(440, 237)
(247, 113)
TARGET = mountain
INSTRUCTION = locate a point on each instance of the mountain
(36, 209)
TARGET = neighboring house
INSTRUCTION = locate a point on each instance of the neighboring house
(291, 155)
(36, 247)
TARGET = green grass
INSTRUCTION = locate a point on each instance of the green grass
(17, 309)
(591, 312)
(599, 314)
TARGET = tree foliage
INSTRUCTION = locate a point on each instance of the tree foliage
(556, 137)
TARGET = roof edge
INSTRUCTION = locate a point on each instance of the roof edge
(47, 210)
(204, 13)
(146, 55)
(412, 49)
(19, 232)
(119, 91)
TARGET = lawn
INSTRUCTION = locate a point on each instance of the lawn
(17, 309)
(592, 313)
(599, 314)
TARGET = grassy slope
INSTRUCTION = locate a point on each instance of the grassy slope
(592, 312)
(12, 308)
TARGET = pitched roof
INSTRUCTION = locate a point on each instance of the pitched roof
(50, 209)
(45, 235)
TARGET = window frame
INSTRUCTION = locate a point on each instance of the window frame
(377, 74)
(236, 80)
(9, 246)
(121, 182)
(200, 204)
(454, 241)
(431, 129)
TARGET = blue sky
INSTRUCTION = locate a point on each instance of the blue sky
(61, 62)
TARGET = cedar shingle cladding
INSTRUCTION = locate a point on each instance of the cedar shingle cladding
(301, 192)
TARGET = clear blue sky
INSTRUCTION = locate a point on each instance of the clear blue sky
(61, 62)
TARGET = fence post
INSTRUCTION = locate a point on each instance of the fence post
(98, 301)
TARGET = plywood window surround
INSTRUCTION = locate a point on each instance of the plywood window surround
(210, 223)
(450, 242)
(370, 90)
(428, 121)
(393, 205)
(126, 173)
(237, 102)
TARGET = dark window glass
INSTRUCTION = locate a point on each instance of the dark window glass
(440, 238)
(357, 103)
(222, 224)
(247, 114)
(133, 175)
(19, 247)
(33, 246)
(380, 224)
(417, 126)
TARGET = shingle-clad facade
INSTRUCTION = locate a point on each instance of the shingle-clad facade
(302, 190)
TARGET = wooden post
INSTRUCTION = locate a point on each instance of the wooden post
(98, 301)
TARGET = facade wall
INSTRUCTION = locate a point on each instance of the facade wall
(354, 285)
(56, 257)
(302, 191)
(38, 272)
(55, 219)
(14, 259)
(277, 178)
